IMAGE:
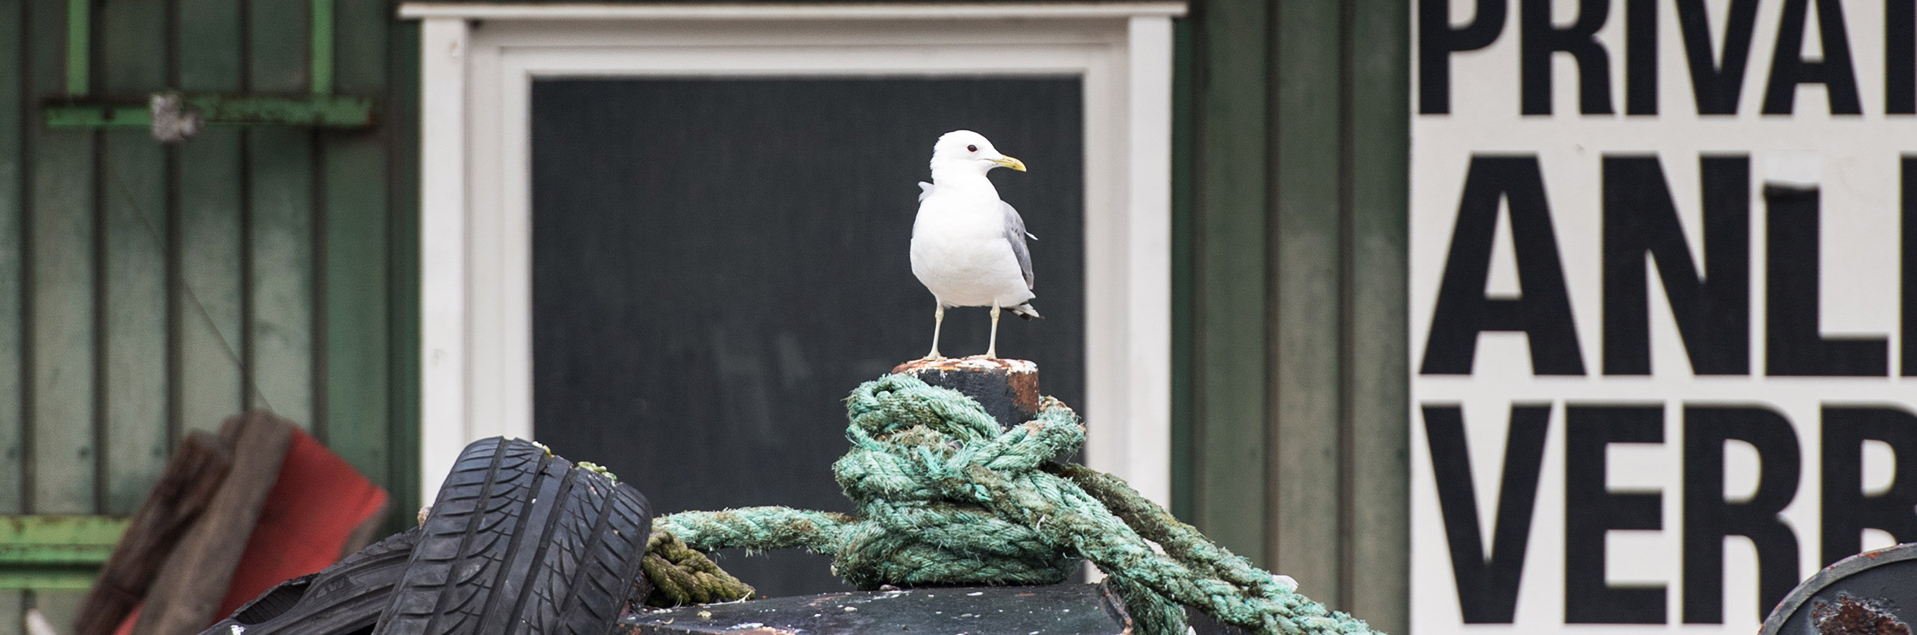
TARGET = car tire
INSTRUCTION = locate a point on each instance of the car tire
(521, 541)
(343, 599)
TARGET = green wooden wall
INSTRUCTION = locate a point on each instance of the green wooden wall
(149, 290)
(1291, 413)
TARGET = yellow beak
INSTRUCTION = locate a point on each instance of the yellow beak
(1010, 162)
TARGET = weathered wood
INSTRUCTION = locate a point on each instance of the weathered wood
(61, 291)
(193, 581)
(1379, 544)
(207, 296)
(1229, 312)
(280, 170)
(12, 278)
(182, 493)
(1306, 434)
(402, 177)
(1006, 388)
(134, 201)
(281, 249)
(357, 405)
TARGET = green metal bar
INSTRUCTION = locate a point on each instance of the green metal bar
(318, 111)
(322, 54)
(37, 541)
(97, 116)
(49, 578)
(79, 46)
(56, 552)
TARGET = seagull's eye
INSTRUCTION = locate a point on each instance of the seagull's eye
(971, 148)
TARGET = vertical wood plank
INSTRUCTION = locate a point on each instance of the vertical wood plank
(279, 165)
(135, 199)
(1182, 455)
(62, 273)
(12, 285)
(208, 292)
(1304, 442)
(403, 187)
(60, 607)
(355, 191)
(12, 273)
(1377, 396)
(13, 609)
(1231, 373)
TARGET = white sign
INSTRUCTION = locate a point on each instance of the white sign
(1663, 307)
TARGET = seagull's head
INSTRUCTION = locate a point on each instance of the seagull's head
(967, 151)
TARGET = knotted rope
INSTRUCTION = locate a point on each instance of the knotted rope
(944, 497)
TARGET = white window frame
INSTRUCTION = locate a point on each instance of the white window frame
(477, 65)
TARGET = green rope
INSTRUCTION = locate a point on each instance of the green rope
(944, 497)
(680, 575)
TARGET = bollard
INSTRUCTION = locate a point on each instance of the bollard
(1007, 388)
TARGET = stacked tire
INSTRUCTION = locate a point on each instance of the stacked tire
(518, 542)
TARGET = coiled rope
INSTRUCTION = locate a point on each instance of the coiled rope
(944, 497)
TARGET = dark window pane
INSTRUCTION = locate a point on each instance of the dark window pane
(718, 262)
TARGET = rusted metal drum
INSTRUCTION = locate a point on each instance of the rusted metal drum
(1873, 593)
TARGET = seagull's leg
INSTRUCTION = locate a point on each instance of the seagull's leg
(938, 320)
(991, 352)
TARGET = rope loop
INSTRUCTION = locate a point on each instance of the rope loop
(946, 497)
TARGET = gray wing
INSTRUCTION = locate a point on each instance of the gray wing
(1015, 235)
(925, 189)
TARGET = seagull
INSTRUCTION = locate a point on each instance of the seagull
(968, 246)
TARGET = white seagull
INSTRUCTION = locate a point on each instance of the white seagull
(968, 247)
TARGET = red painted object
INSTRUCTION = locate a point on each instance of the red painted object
(315, 506)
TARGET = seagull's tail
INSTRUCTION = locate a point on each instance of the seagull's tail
(1026, 311)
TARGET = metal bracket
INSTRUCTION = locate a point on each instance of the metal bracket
(55, 552)
(174, 117)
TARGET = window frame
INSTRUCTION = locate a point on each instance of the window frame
(477, 65)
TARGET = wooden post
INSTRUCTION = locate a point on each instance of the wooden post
(188, 485)
(1007, 388)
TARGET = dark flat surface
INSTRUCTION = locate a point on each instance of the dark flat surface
(718, 263)
(1055, 610)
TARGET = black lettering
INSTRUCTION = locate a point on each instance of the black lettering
(1789, 68)
(1709, 517)
(1538, 39)
(1487, 587)
(1437, 41)
(1907, 337)
(1900, 58)
(1794, 344)
(1640, 57)
(1712, 310)
(1591, 510)
(1846, 511)
(1716, 85)
(1543, 310)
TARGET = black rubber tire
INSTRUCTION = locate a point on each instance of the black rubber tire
(521, 541)
(342, 599)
